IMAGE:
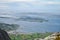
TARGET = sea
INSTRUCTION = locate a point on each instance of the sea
(52, 25)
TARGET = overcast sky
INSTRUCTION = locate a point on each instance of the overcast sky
(30, 5)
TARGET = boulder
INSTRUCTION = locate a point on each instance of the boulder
(4, 35)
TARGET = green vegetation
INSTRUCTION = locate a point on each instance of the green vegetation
(29, 36)
(8, 27)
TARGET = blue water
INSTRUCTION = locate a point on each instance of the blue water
(53, 24)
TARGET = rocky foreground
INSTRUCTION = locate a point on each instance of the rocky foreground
(52, 37)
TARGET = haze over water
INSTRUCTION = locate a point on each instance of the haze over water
(53, 24)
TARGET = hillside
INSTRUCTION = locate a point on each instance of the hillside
(8, 27)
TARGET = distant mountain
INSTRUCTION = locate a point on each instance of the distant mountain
(33, 19)
(8, 27)
(58, 16)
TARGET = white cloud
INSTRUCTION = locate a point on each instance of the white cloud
(32, 1)
(27, 5)
(16, 0)
(51, 2)
(8, 16)
(3, 6)
(48, 2)
(43, 3)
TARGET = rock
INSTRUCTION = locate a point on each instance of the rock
(53, 37)
(4, 35)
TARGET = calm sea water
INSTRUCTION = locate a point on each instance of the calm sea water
(53, 24)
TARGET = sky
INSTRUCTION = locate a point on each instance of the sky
(8, 6)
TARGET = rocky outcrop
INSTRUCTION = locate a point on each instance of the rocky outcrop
(53, 36)
(4, 35)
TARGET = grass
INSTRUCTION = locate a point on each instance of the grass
(29, 36)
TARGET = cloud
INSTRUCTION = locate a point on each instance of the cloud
(32, 1)
(28, 5)
(3, 6)
(16, 0)
(47, 2)
(8, 16)
(51, 2)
